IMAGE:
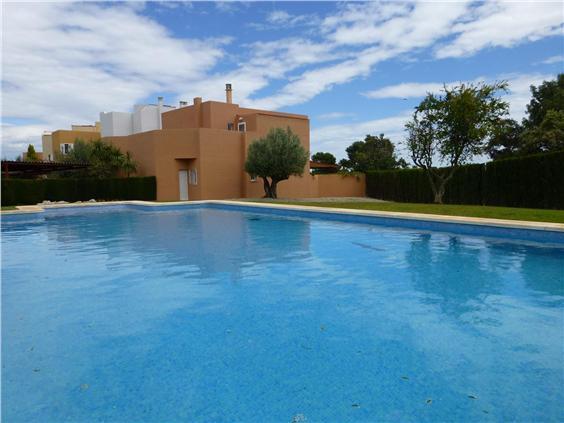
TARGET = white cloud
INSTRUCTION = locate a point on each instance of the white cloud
(504, 24)
(63, 63)
(334, 115)
(280, 19)
(336, 138)
(553, 59)
(518, 96)
(401, 25)
(407, 27)
(520, 91)
(405, 90)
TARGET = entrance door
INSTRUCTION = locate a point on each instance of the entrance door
(183, 182)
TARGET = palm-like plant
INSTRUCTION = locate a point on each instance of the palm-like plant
(128, 165)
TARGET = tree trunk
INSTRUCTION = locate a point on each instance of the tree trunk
(273, 193)
(267, 190)
(439, 193)
(439, 183)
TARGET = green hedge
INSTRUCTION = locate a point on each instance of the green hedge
(33, 191)
(535, 181)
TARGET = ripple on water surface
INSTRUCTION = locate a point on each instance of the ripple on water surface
(215, 315)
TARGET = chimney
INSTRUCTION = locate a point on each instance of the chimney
(182, 103)
(160, 111)
(228, 94)
(197, 100)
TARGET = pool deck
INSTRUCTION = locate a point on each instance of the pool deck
(518, 224)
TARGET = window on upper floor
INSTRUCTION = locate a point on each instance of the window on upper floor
(230, 126)
(242, 127)
(66, 148)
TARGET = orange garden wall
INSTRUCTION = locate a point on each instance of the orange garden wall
(335, 185)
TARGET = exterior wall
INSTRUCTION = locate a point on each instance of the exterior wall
(221, 161)
(195, 138)
(86, 128)
(47, 146)
(183, 117)
(162, 154)
(211, 114)
(115, 124)
(63, 136)
(335, 185)
(145, 117)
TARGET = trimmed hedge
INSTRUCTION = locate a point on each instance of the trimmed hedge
(33, 191)
(535, 181)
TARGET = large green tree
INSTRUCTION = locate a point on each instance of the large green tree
(547, 96)
(104, 159)
(31, 155)
(275, 158)
(540, 131)
(322, 157)
(506, 141)
(453, 127)
(374, 153)
(548, 136)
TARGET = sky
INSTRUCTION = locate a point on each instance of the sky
(354, 68)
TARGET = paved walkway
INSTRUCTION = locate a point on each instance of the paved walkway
(316, 200)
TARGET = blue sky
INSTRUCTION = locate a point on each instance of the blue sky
(354, 68)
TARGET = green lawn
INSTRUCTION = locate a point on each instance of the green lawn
(4, 208)
(512, 213)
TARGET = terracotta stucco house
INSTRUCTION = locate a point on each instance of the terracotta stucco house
(199, 153)
(62, 141)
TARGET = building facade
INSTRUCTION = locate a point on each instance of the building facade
(61, 142)
(199, 153)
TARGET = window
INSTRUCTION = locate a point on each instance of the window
(193, 177)
(66, 148)
(242, 126)
(230, 126)
(253, 178)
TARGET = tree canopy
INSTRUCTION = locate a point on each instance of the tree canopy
(547, 96)
(540, 131)
(374, 153)
(326, 158)
(275, 158)
(105, 160)
(31, 155)
(453, 127)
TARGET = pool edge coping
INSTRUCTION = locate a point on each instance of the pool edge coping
(481, 221)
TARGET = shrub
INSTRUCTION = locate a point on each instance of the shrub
(535, 181)
(33, 191)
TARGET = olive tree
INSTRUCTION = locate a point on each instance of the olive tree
(453, 127)
(275, 158)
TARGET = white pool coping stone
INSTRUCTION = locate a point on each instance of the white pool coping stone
(504, 223)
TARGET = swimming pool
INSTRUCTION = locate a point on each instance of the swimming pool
(212, 313)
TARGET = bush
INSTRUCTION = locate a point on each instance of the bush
(535, 181)
(33, 191)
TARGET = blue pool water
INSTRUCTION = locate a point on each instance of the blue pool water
(207, 314)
